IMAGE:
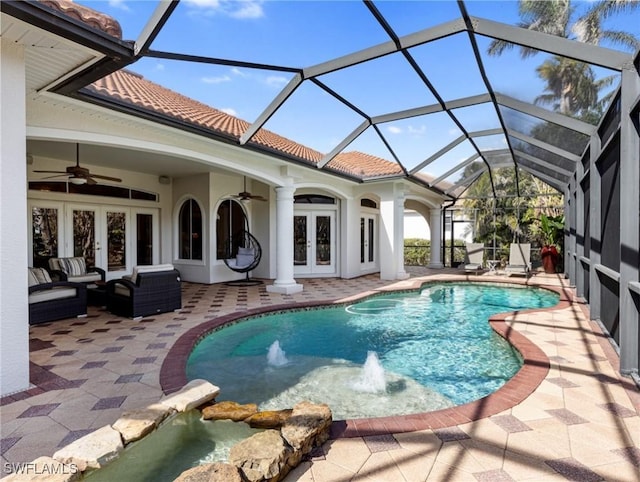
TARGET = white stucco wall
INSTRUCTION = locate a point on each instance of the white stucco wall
(14, 313)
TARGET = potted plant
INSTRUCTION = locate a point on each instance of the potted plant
(551, 232)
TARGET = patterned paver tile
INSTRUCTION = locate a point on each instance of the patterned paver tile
(39, 410)
(618, 410)
(7, 443)
(145, 359)
(451, 434)
(74, 435)
(94, 364)
(566, 416)
(133, 377)
(571, 469)
(497, 475)
(109, 402)
(510, 424)
(381, 443)
(562, 382)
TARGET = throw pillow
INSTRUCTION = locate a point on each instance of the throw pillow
(38, 276)
(73, 266)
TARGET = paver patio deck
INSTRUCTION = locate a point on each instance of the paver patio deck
(581, 420)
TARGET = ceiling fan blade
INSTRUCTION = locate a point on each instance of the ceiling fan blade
(106, 178)
(91, 181)
(62, 174)
(258, 198)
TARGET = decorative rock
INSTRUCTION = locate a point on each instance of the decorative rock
(229, 411)
(262, 457)
(44, 469)
(135, 424)
(217, 472)
(192, 395)
(269, 419)
(308, 426)
(94, 450)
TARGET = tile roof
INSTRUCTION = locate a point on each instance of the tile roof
(131, 88)
(86, 15)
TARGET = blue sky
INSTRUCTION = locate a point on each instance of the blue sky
(304, 33)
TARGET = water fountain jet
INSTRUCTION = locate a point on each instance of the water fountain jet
(276, 356)
(372, 379)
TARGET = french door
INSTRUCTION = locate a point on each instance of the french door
(114, 238)
(314, 242)
(99, 234)
(368, 241)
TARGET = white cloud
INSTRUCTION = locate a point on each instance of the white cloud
(454, 132)
(230, 111)
(275, 81)
(230, 8)
(417, 130)
(119, 4)
(238, 72)
(159, 67)
(216, 80)
(248, 9)
(394, 130)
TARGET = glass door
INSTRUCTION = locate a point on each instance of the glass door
(100, 234)
(368, 244)
(146, 236)
(314, 242)
(46, 232)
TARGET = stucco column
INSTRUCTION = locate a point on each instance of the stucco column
(435, 227)
(284, 282)
(398, 230)
(14, 313)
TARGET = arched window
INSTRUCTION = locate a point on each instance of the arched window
(190, 220)
(230, 219)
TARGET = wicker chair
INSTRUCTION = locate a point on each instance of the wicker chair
(49, 300)
(149, 290)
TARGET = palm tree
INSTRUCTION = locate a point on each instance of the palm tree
(571, 85)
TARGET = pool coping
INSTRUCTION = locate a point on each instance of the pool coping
(534, 369)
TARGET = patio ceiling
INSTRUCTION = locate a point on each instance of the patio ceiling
(489, 119)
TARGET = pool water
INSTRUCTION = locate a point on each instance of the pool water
(436, 348)
(179, 444)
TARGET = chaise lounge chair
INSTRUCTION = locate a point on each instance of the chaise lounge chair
(474, 257)
(519, 259)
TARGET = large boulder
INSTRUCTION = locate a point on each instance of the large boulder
(269, 418)
(192, 395)
(135, 424)
(92, 451)
(308, 426)
(229, 411)
(262, 457)
(217, 472)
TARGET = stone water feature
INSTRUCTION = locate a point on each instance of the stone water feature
(286, 437)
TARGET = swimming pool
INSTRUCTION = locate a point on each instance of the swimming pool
(435, 346)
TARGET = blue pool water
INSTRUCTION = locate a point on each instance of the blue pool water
(436, 348)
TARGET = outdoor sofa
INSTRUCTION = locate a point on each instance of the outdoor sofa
(49, 300)
(149, 290)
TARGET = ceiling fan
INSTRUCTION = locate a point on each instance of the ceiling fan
(247, 196)
(79, 175)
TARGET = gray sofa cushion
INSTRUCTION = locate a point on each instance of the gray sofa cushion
(55, 293)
